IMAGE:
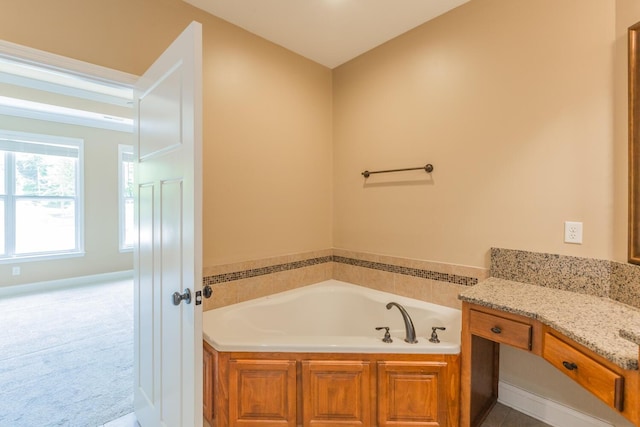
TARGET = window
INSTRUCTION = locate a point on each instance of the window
(125, 173)
(40, 195)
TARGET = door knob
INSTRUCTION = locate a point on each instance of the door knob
(207, 291)
(178, 297)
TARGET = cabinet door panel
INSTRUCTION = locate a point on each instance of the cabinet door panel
(412, 393)
(336, 393)
(262, 393)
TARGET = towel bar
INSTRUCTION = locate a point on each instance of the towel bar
(427, 168)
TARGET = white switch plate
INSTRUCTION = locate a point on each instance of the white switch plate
(573, 232)
(15, 271)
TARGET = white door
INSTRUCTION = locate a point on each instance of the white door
(168, 255)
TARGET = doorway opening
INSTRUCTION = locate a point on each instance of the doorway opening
(66, 352)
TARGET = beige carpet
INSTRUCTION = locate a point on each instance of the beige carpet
(66, 357)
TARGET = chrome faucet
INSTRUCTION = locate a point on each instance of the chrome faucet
(408, 324)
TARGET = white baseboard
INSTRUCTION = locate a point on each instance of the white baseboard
(71, 282)
(545, 410)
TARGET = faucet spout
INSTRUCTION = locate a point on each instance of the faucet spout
(408, 323)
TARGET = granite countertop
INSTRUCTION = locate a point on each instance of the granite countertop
(607, 327)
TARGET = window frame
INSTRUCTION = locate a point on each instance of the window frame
(123, 149)
(9, 197)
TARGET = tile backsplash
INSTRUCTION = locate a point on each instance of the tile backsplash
(439, 283)
(237, 282)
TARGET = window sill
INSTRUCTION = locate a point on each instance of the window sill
(38, 258)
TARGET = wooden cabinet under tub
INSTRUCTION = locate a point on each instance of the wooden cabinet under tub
(207, 383)
(325, 390)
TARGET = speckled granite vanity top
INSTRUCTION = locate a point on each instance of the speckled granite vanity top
(607, 327)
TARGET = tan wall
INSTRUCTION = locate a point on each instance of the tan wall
(120, 34)
(268, 153)
(267, 115)
(521, 107)
(512, 102)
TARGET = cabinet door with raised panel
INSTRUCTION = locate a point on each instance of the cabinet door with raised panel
(262, 393)
(412, 393)
(336, 393)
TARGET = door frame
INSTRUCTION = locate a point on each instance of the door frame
(76, 67)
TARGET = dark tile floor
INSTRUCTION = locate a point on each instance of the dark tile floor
(503, 416)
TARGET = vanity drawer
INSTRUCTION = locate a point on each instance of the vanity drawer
(500, 329)
(595, 377)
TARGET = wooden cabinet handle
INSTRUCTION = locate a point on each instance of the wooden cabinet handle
(569, 365)
(496, 330)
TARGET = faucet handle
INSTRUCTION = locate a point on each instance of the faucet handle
(387, 335)
(434, 335)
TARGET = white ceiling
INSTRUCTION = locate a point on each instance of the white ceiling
(329, 32)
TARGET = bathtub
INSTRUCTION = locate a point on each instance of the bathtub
(313, 356)
(330, 317)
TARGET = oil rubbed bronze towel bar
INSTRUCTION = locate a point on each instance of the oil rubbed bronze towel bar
(427, 168)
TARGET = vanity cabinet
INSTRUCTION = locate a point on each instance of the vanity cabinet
(326, 390)
(484, 329)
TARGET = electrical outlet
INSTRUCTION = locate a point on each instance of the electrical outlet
(15, 271)
(573, 232)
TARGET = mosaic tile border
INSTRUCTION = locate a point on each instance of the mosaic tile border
(407, 271)
(255, 272)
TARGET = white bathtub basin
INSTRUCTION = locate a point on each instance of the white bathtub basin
(333, 317)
